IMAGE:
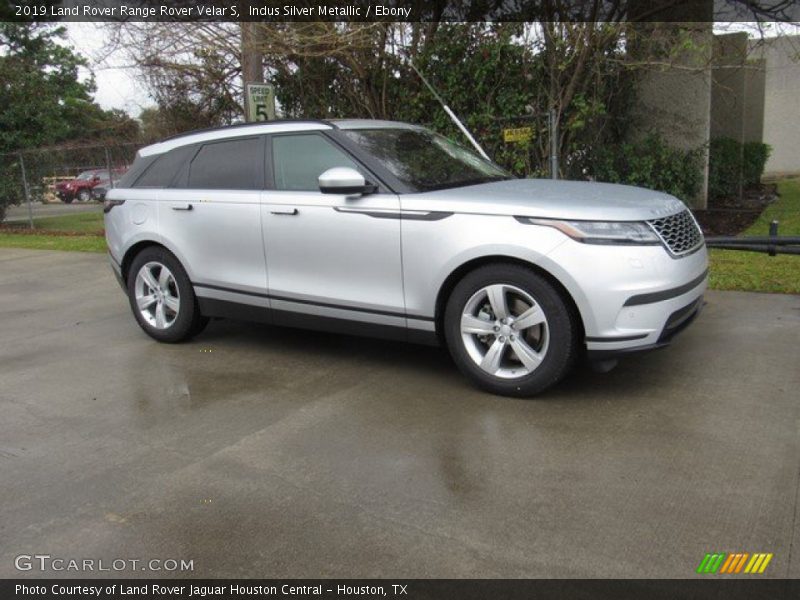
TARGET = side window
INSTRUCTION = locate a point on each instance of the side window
(163, 168)
(229, 165)
(298, 160)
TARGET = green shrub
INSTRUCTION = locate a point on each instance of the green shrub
(650, 163)
(732, 165)
(10, 185)
(754, 159)
(724, 168)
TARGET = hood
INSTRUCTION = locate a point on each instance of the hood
(556, 199)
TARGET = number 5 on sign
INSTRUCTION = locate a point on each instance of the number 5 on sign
(260, 102)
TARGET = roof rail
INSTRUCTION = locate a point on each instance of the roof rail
(250, 124)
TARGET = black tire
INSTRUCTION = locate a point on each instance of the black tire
(68, 199)
(188, 322)
(563, 331)
(84, 195)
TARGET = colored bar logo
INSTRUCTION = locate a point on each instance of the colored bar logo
(734, 562)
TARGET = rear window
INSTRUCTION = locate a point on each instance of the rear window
(162, 170)
(228, 165)
(128, 178)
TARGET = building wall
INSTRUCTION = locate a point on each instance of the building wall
(754, 85)
(674, 100)
(728, 88)
(781, 126)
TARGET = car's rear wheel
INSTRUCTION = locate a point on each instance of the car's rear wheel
(510, 331)
(84, 195)
(162, 298)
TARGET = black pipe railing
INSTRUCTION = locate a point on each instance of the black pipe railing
(771, 244)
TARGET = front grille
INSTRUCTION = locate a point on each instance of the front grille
(679, 232)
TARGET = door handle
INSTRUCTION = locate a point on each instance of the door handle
(284, 211)
(185, 206)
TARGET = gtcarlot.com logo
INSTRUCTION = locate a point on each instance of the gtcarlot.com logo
(46, 562)
(732, 563)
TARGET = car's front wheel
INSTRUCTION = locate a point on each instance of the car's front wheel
(162, 298)
(510, 331)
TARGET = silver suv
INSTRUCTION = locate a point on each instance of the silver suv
(388, 229)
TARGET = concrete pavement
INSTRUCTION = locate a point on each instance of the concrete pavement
(258, 451)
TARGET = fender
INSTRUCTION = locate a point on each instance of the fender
(523, 254)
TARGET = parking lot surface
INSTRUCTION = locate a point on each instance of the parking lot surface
(268, 452)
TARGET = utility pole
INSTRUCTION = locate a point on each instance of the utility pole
(252, 60)
(552, 116)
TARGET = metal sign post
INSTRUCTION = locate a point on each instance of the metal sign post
(27, 190)
(108, 167)
(524, 134)
(260, 99)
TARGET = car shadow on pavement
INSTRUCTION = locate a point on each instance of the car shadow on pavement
(581, 384)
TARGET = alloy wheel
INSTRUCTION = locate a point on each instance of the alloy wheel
(157, 295)
(505, 331)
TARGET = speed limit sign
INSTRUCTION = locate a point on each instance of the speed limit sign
(260, 102)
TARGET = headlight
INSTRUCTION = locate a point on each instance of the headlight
(604, 232)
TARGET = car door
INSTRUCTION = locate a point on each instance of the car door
(329, 256)
(210, 218)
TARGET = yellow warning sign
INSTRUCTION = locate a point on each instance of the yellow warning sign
(517, 135)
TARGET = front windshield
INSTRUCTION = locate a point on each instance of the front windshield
(424, 160)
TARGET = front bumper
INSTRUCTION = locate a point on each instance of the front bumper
(676, 322)
(632, 298)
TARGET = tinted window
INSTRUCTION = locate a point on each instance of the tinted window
(424, 160)
(129, 177)
(163, 169)
(300, 159)
(229, 165)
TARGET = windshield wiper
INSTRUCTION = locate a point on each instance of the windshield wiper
(480, 180)
(446, 185)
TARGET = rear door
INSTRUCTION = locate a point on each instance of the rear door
(329, 255)
(210, 218)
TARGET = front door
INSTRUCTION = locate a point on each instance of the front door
(328, 255)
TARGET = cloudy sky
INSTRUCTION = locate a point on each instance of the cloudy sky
(117, 87)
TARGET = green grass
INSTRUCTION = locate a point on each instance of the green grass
(755, 271)
(81, 232)
(89, 222)
(785, 209)
(73, 243)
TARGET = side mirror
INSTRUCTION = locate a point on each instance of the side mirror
(344, 180)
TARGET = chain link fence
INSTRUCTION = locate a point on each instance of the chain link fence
(40, 175)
